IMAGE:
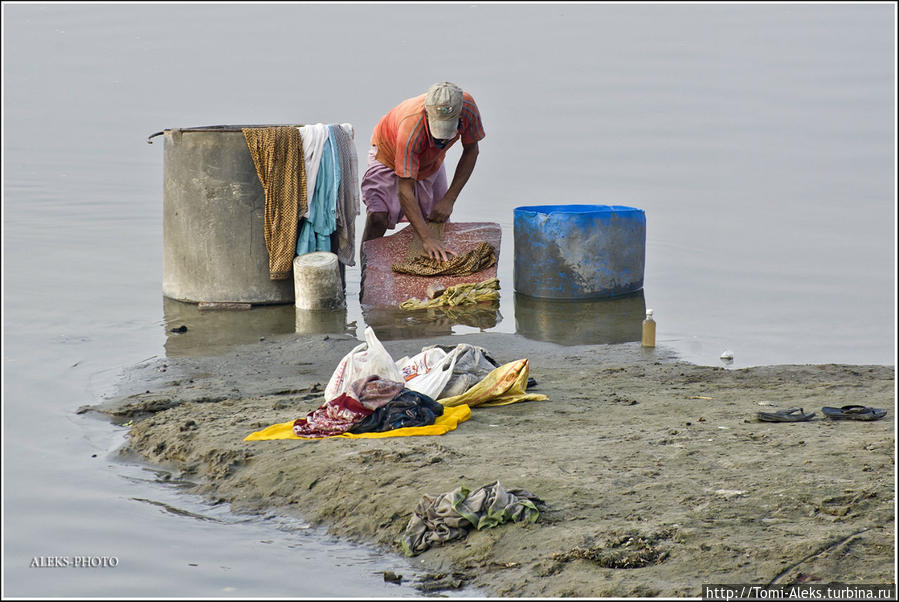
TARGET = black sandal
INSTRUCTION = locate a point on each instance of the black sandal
(854, 412)
(790, 415)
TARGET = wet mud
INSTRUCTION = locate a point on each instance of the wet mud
(656, 474)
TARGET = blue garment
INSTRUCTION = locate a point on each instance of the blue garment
(314, 233)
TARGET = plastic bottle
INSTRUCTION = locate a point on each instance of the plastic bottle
(649, 330)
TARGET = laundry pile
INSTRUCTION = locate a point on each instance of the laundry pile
(369, 394)
(310, 179)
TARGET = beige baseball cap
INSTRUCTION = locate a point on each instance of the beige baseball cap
(443, 103)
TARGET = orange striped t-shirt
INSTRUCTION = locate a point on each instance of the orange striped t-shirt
(404, 140)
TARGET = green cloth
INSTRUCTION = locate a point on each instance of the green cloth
(450, 516)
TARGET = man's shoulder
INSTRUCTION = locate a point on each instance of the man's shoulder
(411, 105)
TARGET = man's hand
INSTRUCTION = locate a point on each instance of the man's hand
(435, 249)
(442, 209)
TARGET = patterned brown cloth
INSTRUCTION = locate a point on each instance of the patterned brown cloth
(480, 258)
(280, 164)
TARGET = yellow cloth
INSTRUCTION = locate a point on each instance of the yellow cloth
(277, 153)
(450, 419)
(503, 386)
(460, 294)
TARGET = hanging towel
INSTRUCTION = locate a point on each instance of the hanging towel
(277, 153)
(313, 142)
(347, 194)
(315, 230)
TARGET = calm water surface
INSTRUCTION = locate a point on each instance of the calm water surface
(759, 140)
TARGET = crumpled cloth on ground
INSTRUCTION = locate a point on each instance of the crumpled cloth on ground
(277, 153)
(480, 258)
(504, 385)
(409, 408)
(450, 419)
(459, 294)
(374, 391)
(331, 418)
(447, 517)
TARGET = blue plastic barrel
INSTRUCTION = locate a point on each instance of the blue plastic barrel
(579, 251)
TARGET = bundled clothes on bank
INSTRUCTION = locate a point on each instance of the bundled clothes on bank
(310, 178)
(379, 405)
(369, 394)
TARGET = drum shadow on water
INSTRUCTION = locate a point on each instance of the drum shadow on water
(191, 331)
(391, 323)
(581, 322)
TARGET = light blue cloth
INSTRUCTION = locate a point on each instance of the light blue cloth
(315, 232)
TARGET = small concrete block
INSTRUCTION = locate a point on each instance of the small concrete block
(382, 287)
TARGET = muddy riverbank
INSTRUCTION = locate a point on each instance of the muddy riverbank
(656, 475)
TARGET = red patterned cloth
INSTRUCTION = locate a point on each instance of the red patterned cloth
(334, 417)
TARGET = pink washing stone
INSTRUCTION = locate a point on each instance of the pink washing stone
(382, 287)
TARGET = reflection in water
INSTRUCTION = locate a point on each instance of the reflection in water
(216, 331)
(323, 321)
(393, 323)
(593, 322)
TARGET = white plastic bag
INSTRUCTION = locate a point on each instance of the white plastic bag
(367, 359)
(430, 370)
(420, 364)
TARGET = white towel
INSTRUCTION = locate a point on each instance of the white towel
(314, 138)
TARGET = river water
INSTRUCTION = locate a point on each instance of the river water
(758, 138)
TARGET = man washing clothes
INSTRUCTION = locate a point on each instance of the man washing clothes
(406, 176)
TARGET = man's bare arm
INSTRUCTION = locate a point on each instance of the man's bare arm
(443, 208)
(431, 245)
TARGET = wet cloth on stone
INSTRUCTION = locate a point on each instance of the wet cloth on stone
(321, 220)
(504, 385)
(331, 418)
(347, 194)
(466, 293)
(374, 391)
(450, 516)
(409, 408)
(450, 419)
(278, 156)
(480, 258)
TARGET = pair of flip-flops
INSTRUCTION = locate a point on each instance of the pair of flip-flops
(849, 412)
